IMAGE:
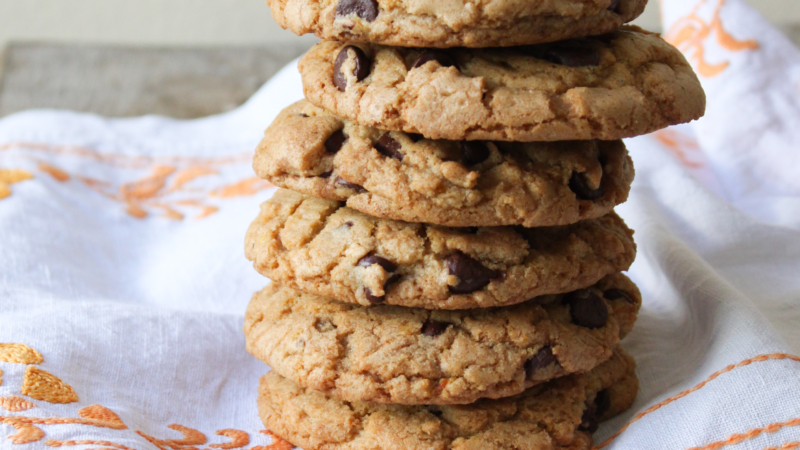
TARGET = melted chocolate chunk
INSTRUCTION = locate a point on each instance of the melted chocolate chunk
(475, 152)
(472, 275)
(340, 182)
(373, 299)
(444, 59)
(589, 422)
(614, 294)
(602, 402)
(580, 52)
(433, 328)
(361, 70)
(587, 309)
(579, 185)
(374, 259)
(387, 146)
(335, 142)
(542, 359)
(366, 9)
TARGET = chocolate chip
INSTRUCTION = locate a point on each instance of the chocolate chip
(387, 146)
(373, 299)
(433, 328)
(416, 137)
(374, 259)
(471, 274)
(366, 9)
(347, 185)
(542, 359)
(614, 294)
(324, 326)
(335, 142)
(587, 309)
(326, 174)
(579, 185)
(304, 115)
(444, 59)
(572, 52)
(614, 6)
(602, 402)
(589, 422)
(475, 152)
(348, 224)
(361, 70)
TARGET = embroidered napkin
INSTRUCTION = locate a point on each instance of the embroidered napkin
(123, 281)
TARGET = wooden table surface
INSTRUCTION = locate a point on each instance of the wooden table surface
(124, 81)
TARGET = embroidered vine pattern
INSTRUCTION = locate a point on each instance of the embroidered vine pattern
(690, 34)
(170, 187)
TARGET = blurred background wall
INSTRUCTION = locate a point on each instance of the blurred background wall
(199, 22)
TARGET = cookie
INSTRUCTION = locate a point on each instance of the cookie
(622, 84)
(453, 23)
(412, 356)
(468, 183)
(321, 247)
(558, 415)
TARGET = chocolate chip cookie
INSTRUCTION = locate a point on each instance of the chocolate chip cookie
(412, 356)
(321, 247)
(467, 183)
(558, 415)
(616, 85)
(453, 23)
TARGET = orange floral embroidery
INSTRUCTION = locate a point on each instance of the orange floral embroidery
(20, 354)
(746, 362)
(13, 403)
(689, 34)
(682, 147)
(169, 185)
(739, 437)
(238, 439)
(47, 387)
(9, 177)
(192, 437)
(44, 386)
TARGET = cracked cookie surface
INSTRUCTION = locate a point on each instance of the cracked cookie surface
(469, 183)
(557, 415)
(621, 84)
(411, 356)
(321, 247)
(453, 23)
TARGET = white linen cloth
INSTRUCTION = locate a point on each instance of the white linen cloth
(121, 263)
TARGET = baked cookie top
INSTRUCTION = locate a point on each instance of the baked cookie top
(412, 356)
(453, 23)
(469, 183)
(621, 84)
(558, 415)
(321, 247)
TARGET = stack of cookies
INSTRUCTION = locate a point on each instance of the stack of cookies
(445, 256)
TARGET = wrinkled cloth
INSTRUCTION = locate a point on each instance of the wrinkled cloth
(123, 282)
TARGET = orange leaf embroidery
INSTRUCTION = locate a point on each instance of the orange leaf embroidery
(47, 387)
(55, 172)
(278, 443)
(13, 403)
(187, 175)
(19, 353)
